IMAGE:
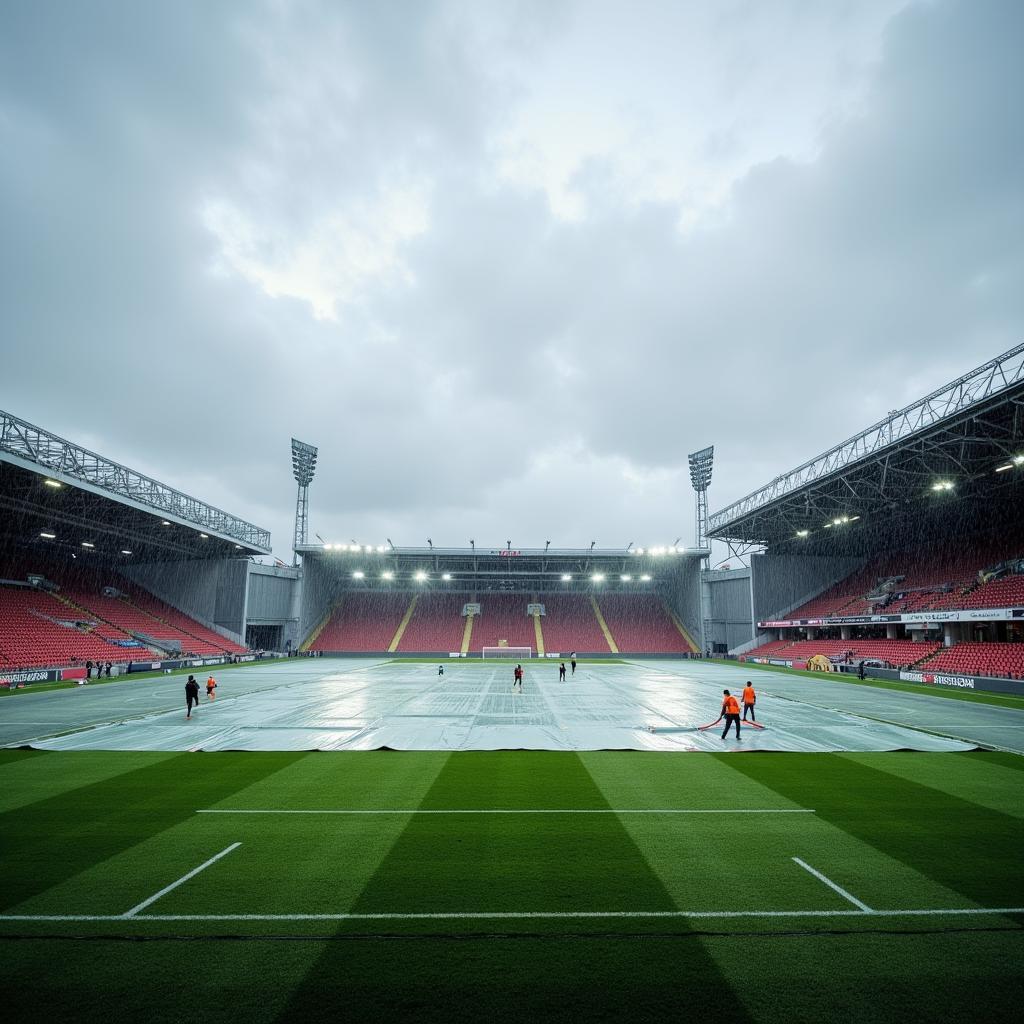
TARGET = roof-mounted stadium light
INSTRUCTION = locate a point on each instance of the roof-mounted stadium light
(204, 536)
(88, 544)
(598, 577)
(56, 484)
(446, 575)
(472, 544)
(625, 577)
(430, 544)
(381, 549)
(1018, 460)
(125, 551)
(164, 522)
(358, 574)
(387, 574)
(639, 551)
(238, 546)
(646, 578)
(566, 576)
(853, 519)
(547, 544)
(420, 576)
(1003, 469)
(942, 485)
(802, 533)
(47, 535)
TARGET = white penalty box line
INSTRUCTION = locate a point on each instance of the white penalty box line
(174, 885)
(513, 810)
(531, 915)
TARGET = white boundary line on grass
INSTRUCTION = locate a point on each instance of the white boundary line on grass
(525, 915)
(512, 810)
(184, 878)
(835, 888)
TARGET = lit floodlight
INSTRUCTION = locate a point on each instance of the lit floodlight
(625, 577)
(125, 551)
(204, 536)
(354, 547)
(1003, 469)
(48, 536)
(853, 518)
(238, 546)
(566, 577)
(1018, 460)
(420, 576)
(802, 533)
(381, 549)
(598, 577)
(358, 574)
(701, 464)
(646, 578)
(942, 485)
(446, 575)
(639, 551)
(52, 483)
(387, 575)
(88, 544)
(164, 522)
(368, 549)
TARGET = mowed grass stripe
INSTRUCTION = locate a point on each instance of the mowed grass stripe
(28, 780)
(966, 848)
(49, 841)
(987, 783)
(509, 863)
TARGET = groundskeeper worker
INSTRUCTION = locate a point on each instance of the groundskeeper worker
(191, 695)
(731, 713)
(749, 700)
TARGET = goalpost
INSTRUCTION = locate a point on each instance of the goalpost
(508, 653)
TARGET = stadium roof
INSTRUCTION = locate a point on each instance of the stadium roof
(956, 444)
(501, 568)
(52, 486)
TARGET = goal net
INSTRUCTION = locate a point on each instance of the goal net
(508, 653)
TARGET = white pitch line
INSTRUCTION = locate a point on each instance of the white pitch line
(716, 810)
(184, 878)
(528, 915)
(835, 888)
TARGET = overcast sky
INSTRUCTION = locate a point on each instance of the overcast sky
(508, 263)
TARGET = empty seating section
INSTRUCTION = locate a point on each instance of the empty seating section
(37, 629)
(920, 581)
(503, 618)
(979, 659)
(130, 619)
(200, 639)
(436, 625)
(639, 623)
(569, 624)
(1005, 592)
(898, 653)
(363, 623)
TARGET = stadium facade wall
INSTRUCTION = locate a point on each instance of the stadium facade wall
(318, 586)
(780, 583)
(682, 594)
(730, 622)
(212, 591)
(272, 605)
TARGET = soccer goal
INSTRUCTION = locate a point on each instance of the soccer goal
(508, 653)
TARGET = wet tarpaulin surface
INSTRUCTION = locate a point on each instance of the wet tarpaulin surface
(355, 705)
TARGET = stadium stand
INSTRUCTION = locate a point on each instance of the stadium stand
(41, 630)
(503, 618)
(918, 581)
(897, 653)
(640, 624)
(363, 623)
(436, 625)
(569, 624)
(979, 659)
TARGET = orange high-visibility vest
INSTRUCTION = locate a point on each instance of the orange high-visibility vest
(749, 697)
(731, 706)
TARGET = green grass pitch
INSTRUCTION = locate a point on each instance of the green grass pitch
(612, 886)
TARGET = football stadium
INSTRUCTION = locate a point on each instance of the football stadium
(467, 783)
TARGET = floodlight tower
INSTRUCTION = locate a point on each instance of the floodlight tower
(701, 464)
(303, 468)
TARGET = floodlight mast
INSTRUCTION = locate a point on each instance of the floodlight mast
(303, 468)
(701, 464)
